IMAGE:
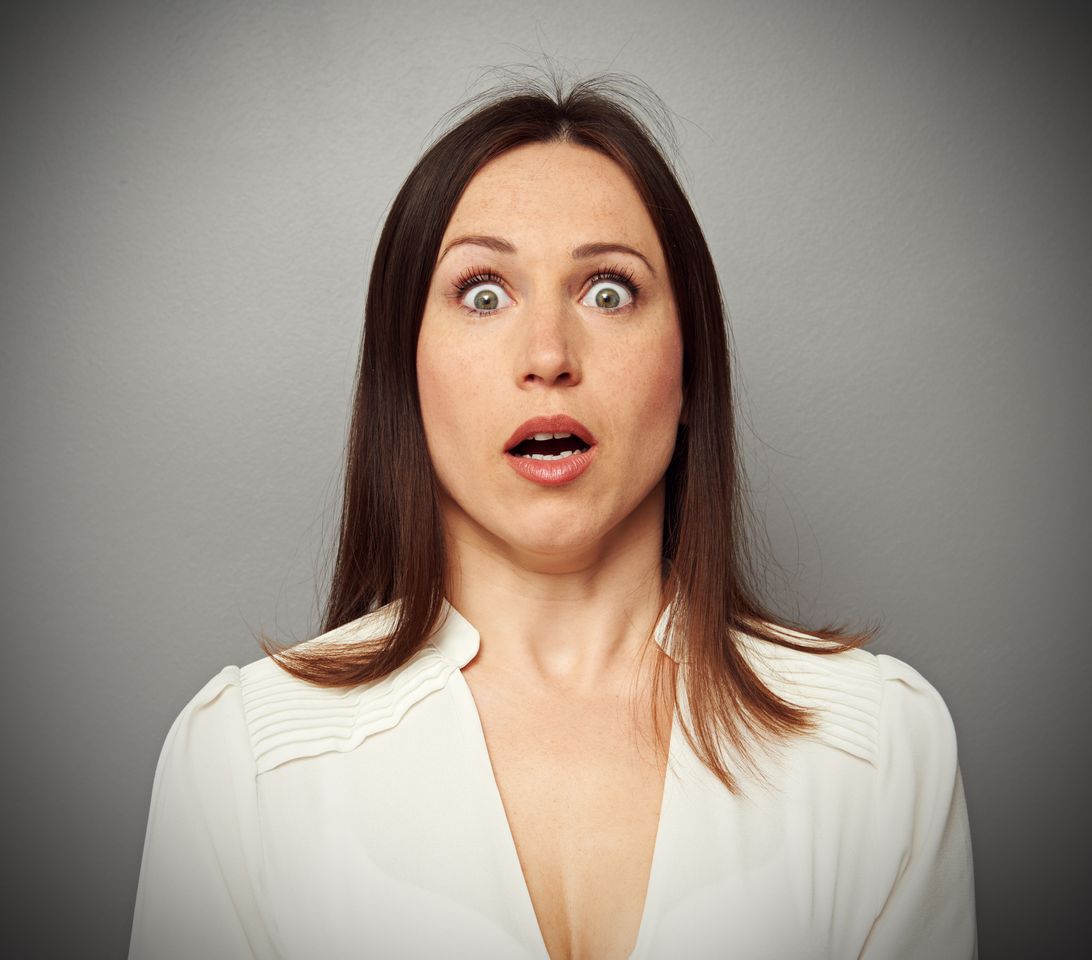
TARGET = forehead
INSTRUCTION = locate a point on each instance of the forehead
(553, 187)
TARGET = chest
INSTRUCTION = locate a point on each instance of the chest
(405, 844)
(582, 783)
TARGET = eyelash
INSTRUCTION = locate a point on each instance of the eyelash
(476, 275)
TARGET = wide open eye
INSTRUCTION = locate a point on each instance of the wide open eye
(608, 295)
(485, 297)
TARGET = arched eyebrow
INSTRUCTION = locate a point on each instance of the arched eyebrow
(583, 252)
(499, 244)
(586, 250)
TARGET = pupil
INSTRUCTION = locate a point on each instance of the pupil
(608, 298)
(486, 300)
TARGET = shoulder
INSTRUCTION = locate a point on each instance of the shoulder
(281, 717)
(873, 706)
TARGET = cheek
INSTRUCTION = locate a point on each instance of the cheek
(450, 392)
(660, 404)
(660, 375)
(437, 385)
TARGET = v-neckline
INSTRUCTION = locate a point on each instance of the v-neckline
(529, 920)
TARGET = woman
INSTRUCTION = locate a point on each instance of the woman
(548, 714)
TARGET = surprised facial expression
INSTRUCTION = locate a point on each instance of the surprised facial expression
(550, 299)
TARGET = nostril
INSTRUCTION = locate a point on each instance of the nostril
(563, 377)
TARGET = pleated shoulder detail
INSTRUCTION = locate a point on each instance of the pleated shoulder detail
(844, 689)
(289, 718)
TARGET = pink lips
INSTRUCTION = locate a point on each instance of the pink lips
(551, 472)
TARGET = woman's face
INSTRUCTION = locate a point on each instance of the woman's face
(535, 310)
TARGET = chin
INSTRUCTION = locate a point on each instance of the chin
(557, 538)
(552, 543)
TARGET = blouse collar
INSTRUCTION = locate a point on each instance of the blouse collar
(459, 640)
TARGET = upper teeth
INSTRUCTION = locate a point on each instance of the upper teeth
(549, 436)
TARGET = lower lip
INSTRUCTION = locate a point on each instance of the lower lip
(552, 473)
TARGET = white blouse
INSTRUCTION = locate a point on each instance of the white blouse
(299, 822)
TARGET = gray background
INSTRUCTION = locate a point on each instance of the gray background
(895, 196)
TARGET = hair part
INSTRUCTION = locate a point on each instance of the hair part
(391, 544)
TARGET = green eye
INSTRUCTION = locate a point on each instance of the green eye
(486, 300)
(485, 297)
(608, 298)
(609, 295)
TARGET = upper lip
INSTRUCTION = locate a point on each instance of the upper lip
(556, 423)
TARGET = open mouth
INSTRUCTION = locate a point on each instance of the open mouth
(549, 446)
(551, 450)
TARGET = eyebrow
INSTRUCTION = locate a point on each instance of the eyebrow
(583, 252)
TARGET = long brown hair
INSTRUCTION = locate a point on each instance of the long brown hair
(390, 543)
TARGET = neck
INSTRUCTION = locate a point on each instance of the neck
(575, 620)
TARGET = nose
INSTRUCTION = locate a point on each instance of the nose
(550, 349)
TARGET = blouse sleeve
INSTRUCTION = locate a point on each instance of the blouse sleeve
(929, 911)
(197, 893)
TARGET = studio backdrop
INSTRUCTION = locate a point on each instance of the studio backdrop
(896, 198)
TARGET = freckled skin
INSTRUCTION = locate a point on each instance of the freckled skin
(548, 349)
